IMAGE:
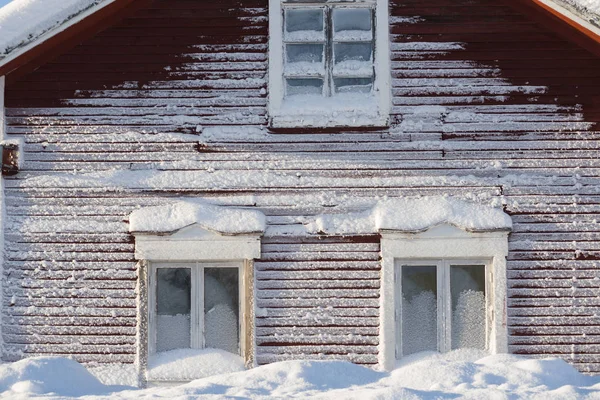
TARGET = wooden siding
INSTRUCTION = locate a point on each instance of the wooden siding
(172, 102)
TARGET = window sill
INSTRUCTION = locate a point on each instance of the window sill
(334, 120)
(347, 111)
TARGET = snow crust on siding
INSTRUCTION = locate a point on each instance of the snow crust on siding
(23, 21)
(414, 215)
(174, 216)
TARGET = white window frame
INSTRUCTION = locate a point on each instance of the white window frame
(189, 245)
(335, 114)
(444, 242)
(444, 301)
(197, 338)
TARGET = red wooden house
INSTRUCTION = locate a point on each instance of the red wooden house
(287, 179)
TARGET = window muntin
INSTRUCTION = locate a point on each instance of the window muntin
(441, 305)
(194, 305)
(333, 44)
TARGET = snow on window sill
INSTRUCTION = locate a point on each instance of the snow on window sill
(342, 110)
(184, 365)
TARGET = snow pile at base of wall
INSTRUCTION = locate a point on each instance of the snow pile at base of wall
(465, 373)
(57, 375)
(187, 364)
(115, 374)
(174, 216)
(22, 21)
(414, 215)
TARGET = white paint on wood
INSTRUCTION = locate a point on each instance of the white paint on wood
(195, 243)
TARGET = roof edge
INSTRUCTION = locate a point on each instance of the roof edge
(56, 36)
(575, 20)
(20, 50)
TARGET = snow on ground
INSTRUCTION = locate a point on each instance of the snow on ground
(22, 21)
(468, 374)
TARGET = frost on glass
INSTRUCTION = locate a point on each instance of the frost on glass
(221, 309)
(304, 25)
(304, 69)
(467, 290)
(419, 309)
(353, 85)
(303, 87)
(352, 52)
(173, 306)
(353, 68)
(352, 24)
(312, 53)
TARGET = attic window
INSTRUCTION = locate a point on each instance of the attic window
(328, 50)
(329, 64)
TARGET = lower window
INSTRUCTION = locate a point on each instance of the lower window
(441, 305)
(194, 306)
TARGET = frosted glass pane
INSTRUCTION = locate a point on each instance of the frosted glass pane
(312, 53)
(353, 85)
(352, 24)
(467, 289)
(304, 25)
(419, 309)
(221, 309)
(173, 306)
(303, 87)
(352, 52)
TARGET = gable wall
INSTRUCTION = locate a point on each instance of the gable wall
(172, 102)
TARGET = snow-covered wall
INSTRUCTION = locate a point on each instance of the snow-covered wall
(487, 107)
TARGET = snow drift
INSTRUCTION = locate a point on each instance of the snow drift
(54, 375)
(466, 374)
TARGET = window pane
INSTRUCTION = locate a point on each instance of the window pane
(467, 288)
(355, 69)
(304, 69)
(352, 24)
(419, 309)
(353, 85)
(304, 86)
(173, 305)
(221, 309)
(352, 52)
(304, 25)
(312, 53)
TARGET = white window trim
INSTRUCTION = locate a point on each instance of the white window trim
(197, 339)
(444, 305)
(194, 244)
(209, 246)
(330, 117)
(444, 242)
